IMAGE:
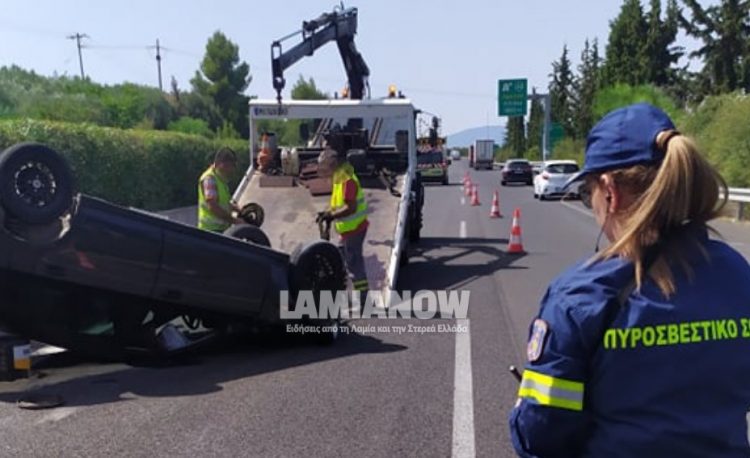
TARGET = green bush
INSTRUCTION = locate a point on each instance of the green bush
(153, 170)
(568, 148)
(720, 126)
(610, 98)
(192, 126)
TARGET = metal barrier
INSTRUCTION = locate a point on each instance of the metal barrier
(742, 197)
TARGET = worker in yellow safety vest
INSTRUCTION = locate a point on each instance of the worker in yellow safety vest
(215, 205)
(348, 212)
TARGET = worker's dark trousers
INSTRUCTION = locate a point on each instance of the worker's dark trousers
(351, 247)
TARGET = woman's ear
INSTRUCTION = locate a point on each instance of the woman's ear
(612, 195)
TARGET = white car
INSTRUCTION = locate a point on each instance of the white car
(551, 179)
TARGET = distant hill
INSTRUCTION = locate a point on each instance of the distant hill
(467, 137)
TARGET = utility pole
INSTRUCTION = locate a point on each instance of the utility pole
(158, 62)
(77, 37)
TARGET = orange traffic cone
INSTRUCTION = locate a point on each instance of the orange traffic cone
(467, 188)
(475, 196)
(515, 245)
(466, 177)
(495, 210)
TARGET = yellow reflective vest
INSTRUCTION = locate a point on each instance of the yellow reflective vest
(344, 173)
(206, 219)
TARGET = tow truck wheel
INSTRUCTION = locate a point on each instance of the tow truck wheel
(249, 233)
(36, 184)
(319, 267)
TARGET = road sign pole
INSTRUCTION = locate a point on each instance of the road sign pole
(547, 103)
(547, 123)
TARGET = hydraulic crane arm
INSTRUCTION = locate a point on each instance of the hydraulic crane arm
(340, 26)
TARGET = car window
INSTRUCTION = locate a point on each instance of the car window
(517, 165)
(562, 168)
(429, 158)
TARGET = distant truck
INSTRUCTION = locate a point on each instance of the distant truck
(482, 154)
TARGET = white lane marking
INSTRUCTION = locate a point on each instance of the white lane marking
(463, 201)
(57, 415)
(578, 209)
(463, 397)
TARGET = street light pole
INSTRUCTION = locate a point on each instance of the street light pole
(547, 102)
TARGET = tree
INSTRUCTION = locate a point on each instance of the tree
(625, 61)
(561, 93)
(659, 54)
(586, 85)
(307, 90)
(515, 136)
(724, 30)
(223, 79)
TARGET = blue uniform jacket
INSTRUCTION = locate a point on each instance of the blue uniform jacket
(652, 377)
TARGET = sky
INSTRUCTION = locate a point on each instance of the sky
(446, 56)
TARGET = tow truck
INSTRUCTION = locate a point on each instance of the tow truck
(378, 136)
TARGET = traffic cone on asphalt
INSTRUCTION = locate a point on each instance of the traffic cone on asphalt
(467, 188)
(495, 210)
(466, 177)
(515, 245)
(475, 196)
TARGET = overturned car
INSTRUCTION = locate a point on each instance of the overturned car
(85, 274)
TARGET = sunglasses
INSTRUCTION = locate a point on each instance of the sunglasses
(584, 191)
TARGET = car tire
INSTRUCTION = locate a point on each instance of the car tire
(249, 233)
(318, 267)
(36, 183)
(252, 214)
(502, 183)
(542, 197)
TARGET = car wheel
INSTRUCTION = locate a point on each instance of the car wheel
(445, 180)
(318, 267)
(542, 197)
(249, 233)
(36, 183)
(502, 183)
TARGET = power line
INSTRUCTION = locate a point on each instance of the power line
(77, 38)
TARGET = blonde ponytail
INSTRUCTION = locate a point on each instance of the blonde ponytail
(684, 190)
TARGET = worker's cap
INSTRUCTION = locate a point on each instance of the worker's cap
(623, 138)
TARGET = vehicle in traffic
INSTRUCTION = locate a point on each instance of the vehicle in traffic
(516, 171)
(483, 154)
(456, 155)
(433, 167)
(550, 182)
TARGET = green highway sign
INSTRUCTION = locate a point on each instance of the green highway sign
(511, 97)
(556, 133)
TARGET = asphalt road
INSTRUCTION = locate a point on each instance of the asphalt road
(371, 394)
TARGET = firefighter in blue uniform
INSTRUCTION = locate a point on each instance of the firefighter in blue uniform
(643, 350)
